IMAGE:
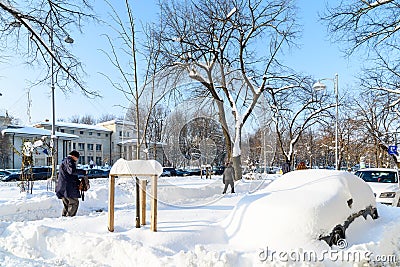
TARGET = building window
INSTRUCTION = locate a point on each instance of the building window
(106, 135)
(89, 158)
(62, 130)
(90, 146)
(98, 147)
(98, 161)
(74, 146)
(98, 134)
(90, 133)
(72, 131)
(80, 132)
(120, 133)
(81, 146)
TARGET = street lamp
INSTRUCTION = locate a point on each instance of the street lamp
(54, 152)
(318, 86)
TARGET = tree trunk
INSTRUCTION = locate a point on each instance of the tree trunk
(237, 165)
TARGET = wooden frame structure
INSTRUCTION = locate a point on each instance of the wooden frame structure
(134, 168)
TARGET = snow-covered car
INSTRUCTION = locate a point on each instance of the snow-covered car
(306, 205)
(165, 173)
(4, 173)
(383, 182)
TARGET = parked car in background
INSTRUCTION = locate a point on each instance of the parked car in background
(171, 170)
(97, 173)
(13, 170)
(182, 172)
(195, 171)
(218, 170)
(383, 182)
(38, 173)
(165, 173)
(4, 173)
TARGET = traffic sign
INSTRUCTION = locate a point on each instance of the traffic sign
(392, 150)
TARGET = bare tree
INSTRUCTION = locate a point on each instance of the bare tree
(217, 43)
(375, 27)
(359, 23)
(87, 119)
(295, 110)
(106, 117)
(45, 25)
(380, 124)
(123, 56)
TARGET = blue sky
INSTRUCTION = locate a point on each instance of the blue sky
(316, 56)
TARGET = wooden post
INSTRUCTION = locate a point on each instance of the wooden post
(153, 225)
(111, 194)
(137, 204)
(143, 184)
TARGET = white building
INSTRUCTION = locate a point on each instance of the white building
(124, 142)
(103, 143)
(19, 135)
(93, 143)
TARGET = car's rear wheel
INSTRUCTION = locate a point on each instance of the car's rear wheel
(337, 234)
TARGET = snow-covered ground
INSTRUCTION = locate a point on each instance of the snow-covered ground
(194, 229)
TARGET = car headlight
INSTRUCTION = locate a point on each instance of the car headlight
(388, 195)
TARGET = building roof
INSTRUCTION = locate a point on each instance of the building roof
(75, 125)
(33, 131)
(118, 122)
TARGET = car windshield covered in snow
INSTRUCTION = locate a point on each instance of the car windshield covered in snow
(378, 176)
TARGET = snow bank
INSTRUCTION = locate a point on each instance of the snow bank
(197, 226)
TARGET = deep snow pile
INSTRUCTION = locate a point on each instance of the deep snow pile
(192, 227)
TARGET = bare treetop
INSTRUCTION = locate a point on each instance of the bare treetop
(46, 25)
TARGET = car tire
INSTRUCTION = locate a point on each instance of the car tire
(337, 234)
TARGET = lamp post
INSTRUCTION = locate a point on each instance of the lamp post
(54, 152)
(318, 86)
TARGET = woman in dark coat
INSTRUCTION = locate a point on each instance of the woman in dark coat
(68, 183)
(228, 178)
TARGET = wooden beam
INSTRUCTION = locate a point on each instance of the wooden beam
(111, 194)
(143, 184)
(153, 225)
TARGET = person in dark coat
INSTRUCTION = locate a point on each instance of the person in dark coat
(228, 178)
(67, 186)
(285, 167)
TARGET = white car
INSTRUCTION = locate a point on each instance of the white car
(384, 183)
(303, 205)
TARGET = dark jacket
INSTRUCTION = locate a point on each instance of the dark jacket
(285, 168)
(229, 174)
(68, 182)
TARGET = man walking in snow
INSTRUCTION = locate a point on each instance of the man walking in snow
(68, 183)
(285, 167)
(228, 178)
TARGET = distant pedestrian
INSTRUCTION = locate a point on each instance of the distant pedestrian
(228, 178)
(301, 166)
(285, 167)
(68, 183)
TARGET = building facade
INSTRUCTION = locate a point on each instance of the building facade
(101, 144)
(124, 143)
(16, 137)
(93, 142)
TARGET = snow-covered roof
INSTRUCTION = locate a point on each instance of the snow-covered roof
(118, 122)
(134, 141)
(36, 132)
(76, 125)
